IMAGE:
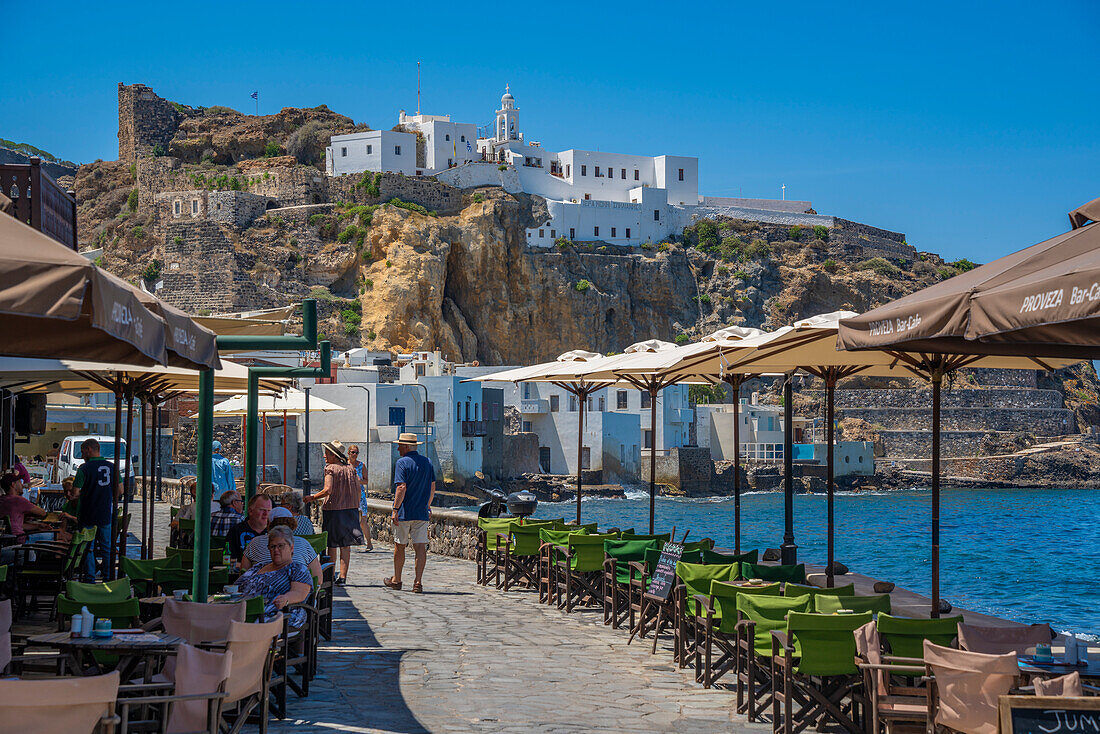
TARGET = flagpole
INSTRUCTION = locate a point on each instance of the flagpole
(257, 104)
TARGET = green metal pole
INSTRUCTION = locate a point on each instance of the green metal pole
(204, 471)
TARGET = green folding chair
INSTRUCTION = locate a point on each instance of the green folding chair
(876, 604)
(786, 574)
(521, 556)
(550, 539)
(579, 570)
(318, 542)
(690, 555)
(487, 556)
(903, 637)
(589, 528)
(693, 579)
(167, 580)
(102, 591)
(187, 556)
(759, 615)
(141, 572)
(799, 589)
(711, 556)
(623, 560)
(816, 656)
(717, 620)
(660, 537)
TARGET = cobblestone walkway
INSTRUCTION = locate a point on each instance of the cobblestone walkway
(462, 658)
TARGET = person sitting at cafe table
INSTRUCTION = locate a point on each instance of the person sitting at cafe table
(16, 507)
(255, 554)
(70, 511)
(228, 513)
(254, 523)
(283, 581)
(297, 506)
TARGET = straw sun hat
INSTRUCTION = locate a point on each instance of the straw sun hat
(336, 449)
(409, 439)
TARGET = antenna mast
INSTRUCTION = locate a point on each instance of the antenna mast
(417, 87)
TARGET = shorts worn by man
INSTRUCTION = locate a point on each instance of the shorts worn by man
(414, 488)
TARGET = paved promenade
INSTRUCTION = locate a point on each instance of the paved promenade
(462, 658)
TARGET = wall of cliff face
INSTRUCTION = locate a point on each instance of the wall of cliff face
(470, 286)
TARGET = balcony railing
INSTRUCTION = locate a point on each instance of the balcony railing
(39, 202)
(533, 405)
(475, 429)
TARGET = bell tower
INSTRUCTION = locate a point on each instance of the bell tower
(507, 125)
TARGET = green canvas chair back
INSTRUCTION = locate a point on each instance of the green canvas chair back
(697, 577)
(318, 542)
(172, 512)
(624, 533)
(586, 551)
(526, 539)
(103, 591)
(187, 556)
(698, 545)
(625, 551)
(254, 608)
(712, 556)
(799, 590)
(906, 637)
(170, 579)
(123, 613)
(876, 604)
(531, 523)
(661, 537)
(494, 526)
(723, 596)
(789, 574)
(689, 556)
(555, 536)
(589, 528)
(186, 526)
(3, 573)
(769, 613)
(825, 643)
(139, 570)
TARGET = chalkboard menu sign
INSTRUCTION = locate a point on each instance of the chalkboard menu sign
(1049, 715)
(663, 579)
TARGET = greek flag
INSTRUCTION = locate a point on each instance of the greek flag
(255, 95)
(468, 148)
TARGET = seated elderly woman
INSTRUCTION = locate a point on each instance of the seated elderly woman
(281, 582)
(293, 502)
(256, 553)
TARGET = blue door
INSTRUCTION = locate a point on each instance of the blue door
(397, 418)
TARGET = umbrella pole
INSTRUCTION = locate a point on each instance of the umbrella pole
(830, 388)
(580, 450)
(652, 454)
(788, 551)
(126, 486)
(734, 382)
(154, 469)
(109, 571)
(284, 449)
(252, 420)
(144, 481)
(306, 484)
(263, 454)
(937, 379)
(204, 471)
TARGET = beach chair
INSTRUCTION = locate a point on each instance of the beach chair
(187, 556)
(758, 615)
(549, 540)
(141, 572)
(190, 702)
(999, 640)
(618, 556)
(53, 565)
(792, 589)
(904, 637)
(785, 574)
(487, 557)
(694, 579)
(59, 705)
(712, 556)
(579, 570)
(520, 564)
(814, 671)
(895, 698)
(650, 614)
(113, 600)
(716, 618)
(828, 604)
(964, 687)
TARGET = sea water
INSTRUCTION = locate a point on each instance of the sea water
(1029, 555)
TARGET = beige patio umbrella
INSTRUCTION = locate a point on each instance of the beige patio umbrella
(648, 366)
(562, 373)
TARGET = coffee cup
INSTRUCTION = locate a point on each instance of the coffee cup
(232, 589)
(179, 594)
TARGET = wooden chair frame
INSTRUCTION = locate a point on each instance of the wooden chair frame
(575, 588)
(819, 698)
(708, 666)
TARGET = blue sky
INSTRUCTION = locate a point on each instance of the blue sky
(972, 127)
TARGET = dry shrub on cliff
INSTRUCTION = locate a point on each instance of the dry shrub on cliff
(308, 143)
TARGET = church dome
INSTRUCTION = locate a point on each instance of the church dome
(507, 100)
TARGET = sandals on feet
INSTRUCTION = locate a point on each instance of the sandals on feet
(418, 588)
(389, 582)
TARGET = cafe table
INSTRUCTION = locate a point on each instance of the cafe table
(131, 649)
(1035, 669)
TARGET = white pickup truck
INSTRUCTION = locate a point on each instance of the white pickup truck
(69, 458)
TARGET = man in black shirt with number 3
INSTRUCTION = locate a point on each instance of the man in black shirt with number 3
(97, 479)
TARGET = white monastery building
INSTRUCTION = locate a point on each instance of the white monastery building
(591, 196)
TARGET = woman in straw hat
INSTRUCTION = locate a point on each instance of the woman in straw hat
(340, 513)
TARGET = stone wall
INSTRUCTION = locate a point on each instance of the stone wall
(427, 192)
(521, 454)
(145, 121)
(949, 398)
(918, 444)
(1005, 378)
(201, 274)
(1038, 421)
(233, 208)
(450, 532)
(689, 469)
